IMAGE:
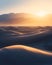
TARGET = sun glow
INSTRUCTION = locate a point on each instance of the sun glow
(41, 13)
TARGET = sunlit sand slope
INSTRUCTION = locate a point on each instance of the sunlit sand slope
(31, 49)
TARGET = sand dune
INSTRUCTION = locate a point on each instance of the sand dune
(25, 55)
(39, 37)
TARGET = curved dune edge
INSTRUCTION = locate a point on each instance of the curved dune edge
(28, 48)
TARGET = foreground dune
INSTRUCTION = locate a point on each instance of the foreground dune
(31, 49)
(24, 55)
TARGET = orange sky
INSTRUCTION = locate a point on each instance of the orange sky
(40, 8)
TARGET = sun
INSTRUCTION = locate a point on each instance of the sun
(41, 13)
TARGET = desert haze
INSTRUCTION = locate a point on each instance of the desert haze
(24, 19)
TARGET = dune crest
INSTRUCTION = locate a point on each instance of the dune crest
(31, 49)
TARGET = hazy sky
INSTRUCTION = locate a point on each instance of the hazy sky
(28, 6)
